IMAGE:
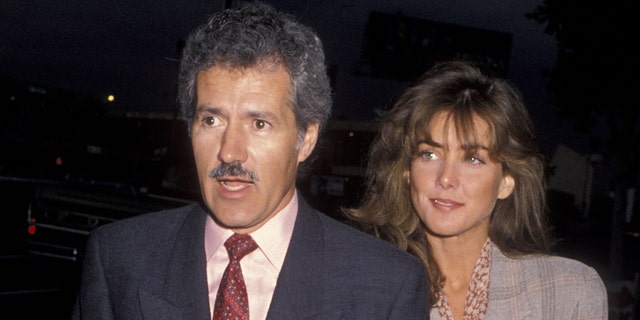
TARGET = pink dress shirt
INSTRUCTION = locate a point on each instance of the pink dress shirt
(261, 267)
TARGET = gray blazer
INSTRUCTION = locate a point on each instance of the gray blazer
(153, 267)
(543, 287)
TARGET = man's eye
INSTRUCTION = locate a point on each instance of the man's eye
(210, 121)
(261, 124)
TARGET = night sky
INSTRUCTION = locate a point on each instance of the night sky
(130, 49)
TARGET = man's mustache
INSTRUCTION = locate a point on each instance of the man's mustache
(232, 169)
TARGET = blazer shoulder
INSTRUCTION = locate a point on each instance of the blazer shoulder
(546, 271)
(147, 226)
(551, 265)
(166, 216)
(343, 239)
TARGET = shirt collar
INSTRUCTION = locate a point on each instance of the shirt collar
(272, 238)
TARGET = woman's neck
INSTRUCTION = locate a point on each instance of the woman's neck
(457, 257)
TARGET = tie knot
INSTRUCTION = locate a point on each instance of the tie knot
(239, 245)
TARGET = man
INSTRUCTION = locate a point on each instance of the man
(254, 90)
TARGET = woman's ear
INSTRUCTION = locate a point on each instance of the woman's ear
(506, 186)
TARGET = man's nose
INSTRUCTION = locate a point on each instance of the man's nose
(233, 146)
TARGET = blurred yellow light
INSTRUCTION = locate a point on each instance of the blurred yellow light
(110, 98)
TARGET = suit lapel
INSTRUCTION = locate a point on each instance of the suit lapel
(185, 292)
(300, 285)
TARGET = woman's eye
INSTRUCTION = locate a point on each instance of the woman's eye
(428, 155)
(475, 160)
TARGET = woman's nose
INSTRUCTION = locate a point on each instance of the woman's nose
(447, 176)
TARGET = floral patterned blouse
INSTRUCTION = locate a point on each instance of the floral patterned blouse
(478, 294)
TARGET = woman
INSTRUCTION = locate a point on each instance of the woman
(455, 178)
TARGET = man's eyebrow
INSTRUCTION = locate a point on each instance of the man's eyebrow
(261, 114)
(208, 109)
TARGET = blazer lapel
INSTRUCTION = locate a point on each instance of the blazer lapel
(298, 293)
(185, 293)
(507, 293)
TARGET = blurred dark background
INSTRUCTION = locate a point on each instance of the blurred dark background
(73, 159)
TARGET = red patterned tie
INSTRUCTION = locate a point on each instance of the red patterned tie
(231, 300)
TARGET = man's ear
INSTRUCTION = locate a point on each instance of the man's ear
(309, 141)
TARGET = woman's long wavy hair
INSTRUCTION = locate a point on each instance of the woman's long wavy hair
(518, 223)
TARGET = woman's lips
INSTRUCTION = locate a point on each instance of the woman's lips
(445, 203)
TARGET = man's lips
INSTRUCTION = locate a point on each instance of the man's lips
(234, 184)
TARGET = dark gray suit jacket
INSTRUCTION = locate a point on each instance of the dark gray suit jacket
(153, 267)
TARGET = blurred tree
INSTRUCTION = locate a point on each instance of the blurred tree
(596, 77)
